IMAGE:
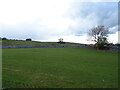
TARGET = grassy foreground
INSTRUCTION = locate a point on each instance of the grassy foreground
(59, 68)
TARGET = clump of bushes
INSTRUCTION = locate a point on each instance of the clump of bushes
(4, 38)
(28, 39)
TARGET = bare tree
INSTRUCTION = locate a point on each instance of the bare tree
(99, 35)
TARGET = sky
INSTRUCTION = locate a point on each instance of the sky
(49, 20)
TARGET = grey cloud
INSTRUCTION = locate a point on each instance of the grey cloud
(114, 29)
(98, 13)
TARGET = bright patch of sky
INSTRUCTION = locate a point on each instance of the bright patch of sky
(49, 20)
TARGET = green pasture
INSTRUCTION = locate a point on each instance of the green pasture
(59, 68)
(32, 43)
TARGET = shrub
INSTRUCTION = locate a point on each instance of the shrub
(28, 39)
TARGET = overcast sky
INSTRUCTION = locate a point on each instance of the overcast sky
(49, 20)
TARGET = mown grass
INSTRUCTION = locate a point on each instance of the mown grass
(59, 68)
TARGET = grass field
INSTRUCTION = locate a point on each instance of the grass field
(31, 43)
(59, 68)
(23, 43)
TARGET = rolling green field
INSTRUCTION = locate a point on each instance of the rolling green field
(59, 68)
(23, 43)
(32, 43)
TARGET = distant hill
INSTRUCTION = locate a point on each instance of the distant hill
(34, 43)
(27, 44)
